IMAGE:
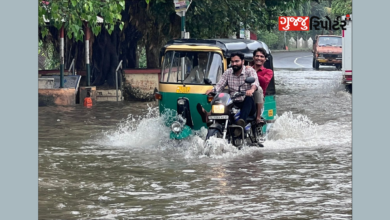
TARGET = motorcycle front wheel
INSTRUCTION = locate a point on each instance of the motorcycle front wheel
(213, 132)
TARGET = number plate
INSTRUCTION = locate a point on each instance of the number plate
(270, 113)
(181, 89)
(214, 117)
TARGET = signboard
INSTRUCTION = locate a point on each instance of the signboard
(242, 33)
(181, 5)
(245, 34)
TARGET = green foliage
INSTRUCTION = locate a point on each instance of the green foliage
(341, 7)
(213, 18)
(270, 38)
(73, 13)
(52, 59)
(155, 21)
(142, 57)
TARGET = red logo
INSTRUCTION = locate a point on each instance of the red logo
(303, 23)
(294, 23)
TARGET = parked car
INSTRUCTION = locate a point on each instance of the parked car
(327, 51)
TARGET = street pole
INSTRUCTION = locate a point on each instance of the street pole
(62, 57)
(183, 22)
(183, 34)
(87, 36)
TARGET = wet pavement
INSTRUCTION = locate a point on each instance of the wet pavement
(115, 161)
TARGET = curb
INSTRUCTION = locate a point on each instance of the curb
(276, 51)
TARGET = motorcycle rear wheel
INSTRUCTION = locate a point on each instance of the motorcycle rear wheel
(258, 134)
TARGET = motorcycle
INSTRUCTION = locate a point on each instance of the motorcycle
(224, 115)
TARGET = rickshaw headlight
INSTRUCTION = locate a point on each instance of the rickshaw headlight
(176, 127)
(180, 101)
(217, 109)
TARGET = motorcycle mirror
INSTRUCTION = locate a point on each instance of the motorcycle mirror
(207, 81)
(250, 80)
(239, 88)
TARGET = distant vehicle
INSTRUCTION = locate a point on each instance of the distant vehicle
(347, 55)
(327, 51)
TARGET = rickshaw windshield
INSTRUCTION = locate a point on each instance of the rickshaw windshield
(191, 67)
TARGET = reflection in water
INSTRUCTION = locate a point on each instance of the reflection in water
(115, 160)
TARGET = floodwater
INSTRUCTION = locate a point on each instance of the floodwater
(115, 161)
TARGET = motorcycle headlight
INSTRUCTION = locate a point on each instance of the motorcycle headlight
(176, 127)
(217, 109)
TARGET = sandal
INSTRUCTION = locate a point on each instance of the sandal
(201, 112)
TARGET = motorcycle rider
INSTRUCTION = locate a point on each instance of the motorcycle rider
(235, 77)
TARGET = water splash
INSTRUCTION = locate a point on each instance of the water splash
(139, 131)
(288, 126)
(298, 131)
(150, 132)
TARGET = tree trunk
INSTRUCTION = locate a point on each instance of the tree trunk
(105, 58)
(128, 47)
(152, 54)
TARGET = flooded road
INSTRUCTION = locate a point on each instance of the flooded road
(115, 161)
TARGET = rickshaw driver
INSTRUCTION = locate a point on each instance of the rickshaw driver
(235, 77)
(199, 69)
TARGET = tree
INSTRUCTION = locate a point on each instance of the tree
(149, 24)
(341, 7)
(156, 22)
(73, 15)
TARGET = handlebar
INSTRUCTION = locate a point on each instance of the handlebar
(235, 95)
(238, 94)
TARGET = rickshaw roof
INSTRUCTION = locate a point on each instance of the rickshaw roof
(228, 46)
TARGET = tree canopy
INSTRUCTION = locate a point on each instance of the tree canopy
(72, 14)
(149, 24)
(341, 7)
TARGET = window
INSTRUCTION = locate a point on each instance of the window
(191, 67)
(329, 41)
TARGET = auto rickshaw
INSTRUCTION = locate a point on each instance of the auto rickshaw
(185, 64)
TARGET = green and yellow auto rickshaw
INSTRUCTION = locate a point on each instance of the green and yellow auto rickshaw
(186, 63)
